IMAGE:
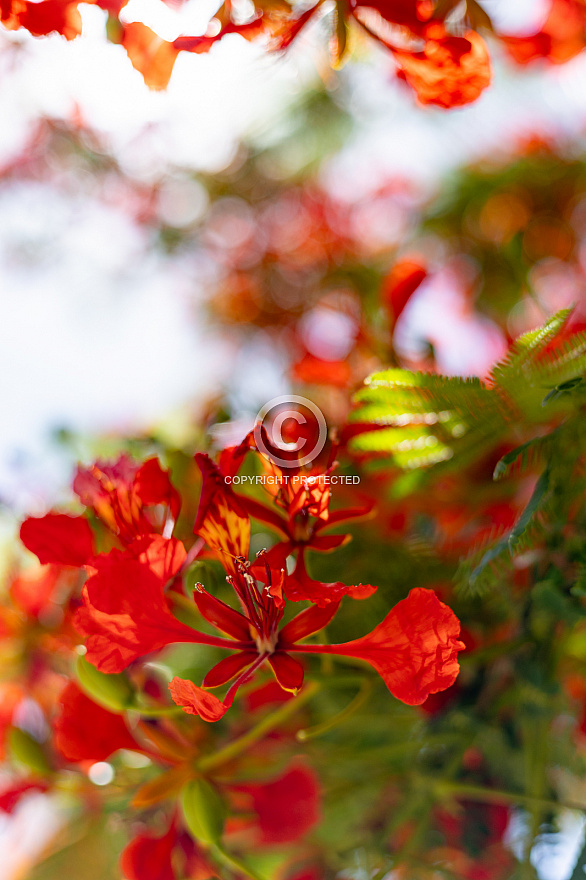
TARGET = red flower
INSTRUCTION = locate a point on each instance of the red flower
(409, 13)
(33, 591)
(10, 797)
(170, 857)
(43, 18)
(414, 649)
(85, 731)
(58, 538)
(300, 587)
(449, 71)
(222, 521)
(150, 858)
(125, 614)
(286, 808)
(562, 37)
(132, 500)
(152, 56)
(400, 285)
(202, 44)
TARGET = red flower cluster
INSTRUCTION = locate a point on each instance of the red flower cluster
(126, 611)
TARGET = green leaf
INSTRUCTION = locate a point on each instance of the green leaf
(536, 501)
(522, 457)
(579, 588)
(114, 692)
(25, 750)
(204, 810)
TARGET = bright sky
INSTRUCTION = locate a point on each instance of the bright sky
(78, 271)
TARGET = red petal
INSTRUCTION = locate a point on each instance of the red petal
(288, 671)
(58, 538)
(229, 668)
(264, 514)
(201, 45)
(85, 731)
(125, 615)
(10, 797)
(288, 807)
(195, 701)
(231, 458)
(107, 488)
(149, 858)
(265, 695)
(131, 499)
(164, 556)
(33, 590)
(414, 649)
(222, 616)
(326, 543)
(153, 485)
(339, 516)
(275, 558)
(43, 18)
(221, 520)
(152, 56)
(450, 71)
(300, 587)
(400, 285)
(314, 371)
(309, 621)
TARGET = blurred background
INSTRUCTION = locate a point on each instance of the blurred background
(170, 261)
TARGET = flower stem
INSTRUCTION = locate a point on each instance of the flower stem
(211, 762)
(155, 711)
(238, 866)
(495, 795)
(359, 700)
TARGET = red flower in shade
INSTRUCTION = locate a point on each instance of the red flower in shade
(131, 499)
(85, 731)
(154, 858)
(150, 858)
(58, 538)
(286, 808)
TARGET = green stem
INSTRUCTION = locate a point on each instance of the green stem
(238, 866)
(155, 711)
(494, 795)
(256, 733)
(359, 700)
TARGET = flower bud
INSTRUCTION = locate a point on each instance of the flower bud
(26, 750)
(113, 692)
(204, 810)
